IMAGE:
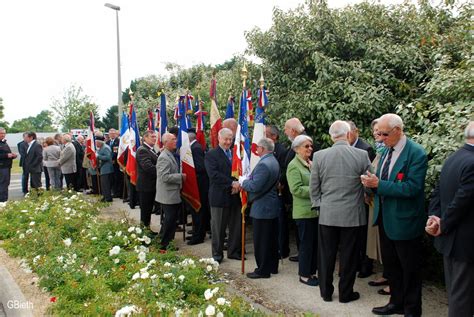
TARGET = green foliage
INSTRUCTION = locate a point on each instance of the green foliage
(72, 110)
(42, 122)
(95, 267)
(354, 63)
(110, 120)
(3, 124)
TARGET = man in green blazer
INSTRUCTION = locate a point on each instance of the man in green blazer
(399, 211)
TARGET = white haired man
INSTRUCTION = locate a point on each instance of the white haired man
(399, 212)
(452, 223)
(336, 189)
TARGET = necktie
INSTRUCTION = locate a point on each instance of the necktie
(386, 166)
(229, 155)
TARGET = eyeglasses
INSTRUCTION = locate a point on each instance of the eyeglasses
(385, 133)
(307, 146)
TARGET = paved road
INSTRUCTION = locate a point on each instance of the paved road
(14, 190)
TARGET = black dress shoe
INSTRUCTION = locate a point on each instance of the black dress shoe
(188, 238)
(327, 298)
(254, 275)
(354, 296)
(194, 242)
(374, 283)
(365, 274)
(235, 257)
(383, 292)
(389, 309)
(293, 258)
(218, 258)
(312, 281)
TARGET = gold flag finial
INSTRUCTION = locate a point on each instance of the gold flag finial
(244, 74)
(262, 81)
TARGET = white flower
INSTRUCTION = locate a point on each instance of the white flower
(32, 223)
(123, 220)
(152, 261)
(210, 310)
(67, 242)
(145, 275)
(135, 276)
(60, 258)
(181, 278)
(147, 240)
(28, 231)
(114, 251)
(178, 312)
(118, 233)
(209, 268)
(116, 261)
(74, 256)
(36, 258)
(153, 276)
(208, 294)
(24, 210)
(3, 204)
(67, 210)
(215, 290)
(219, 314)
(110, 237)
(141, 257)
(221, 301)
(133, 236)
(138, 230)
(126, 311)
(167, 275)
(22, 236)
(167, 264)
(95, 272)
(94, 238)
(131, 229)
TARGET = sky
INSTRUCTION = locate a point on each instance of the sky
(49, 45)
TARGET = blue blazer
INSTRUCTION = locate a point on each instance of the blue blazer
(104, 155)
(265, 174)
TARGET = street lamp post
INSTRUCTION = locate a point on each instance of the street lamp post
(119, 72)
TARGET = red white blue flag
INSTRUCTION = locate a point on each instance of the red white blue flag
(259, 125)
(91, 150)
(200, 115)
(134, 138)
(124, 140)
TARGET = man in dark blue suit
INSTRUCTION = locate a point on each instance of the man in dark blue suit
(22, 147)
(452, 223)
(224, 199)
(261, 186)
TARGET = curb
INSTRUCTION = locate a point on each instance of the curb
(11, 297)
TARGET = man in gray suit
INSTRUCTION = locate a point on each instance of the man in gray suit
(168, 188)
(336, 190)
(67, 161)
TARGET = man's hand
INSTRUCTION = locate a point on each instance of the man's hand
(235, 187)
(184, 177)
(12, 155)
(370, 180)
(433, 226)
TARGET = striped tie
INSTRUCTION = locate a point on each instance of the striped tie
(387, 165)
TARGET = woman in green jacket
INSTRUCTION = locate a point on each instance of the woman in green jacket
(298, 174)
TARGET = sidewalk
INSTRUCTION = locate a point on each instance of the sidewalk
(283, 293)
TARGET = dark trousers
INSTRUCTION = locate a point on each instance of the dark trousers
(94, 184)
(71, 181)
(330, 239)
(118, 182)
(147, 200)
(283, 231)
(402, 265)
(220, 218)
(35, 180)
(4, 183)
(133, 198)
(265, 244)
(308, 251)
(105, 183)
(46, 178)
(168, 228)
(459, 276)
(24, 182)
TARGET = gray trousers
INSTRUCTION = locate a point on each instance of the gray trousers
(459, 278)
(35, 180)
(55, 177)
(220, 217)
(4, 183)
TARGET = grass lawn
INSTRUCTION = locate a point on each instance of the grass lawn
(16, 169)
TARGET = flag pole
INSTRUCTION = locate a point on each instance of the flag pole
(244, 78)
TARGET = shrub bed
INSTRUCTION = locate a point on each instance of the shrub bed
(96, 267)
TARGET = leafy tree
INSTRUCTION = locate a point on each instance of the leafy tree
(3, 124)
(42, 122)
(73, 108)
(110, 120)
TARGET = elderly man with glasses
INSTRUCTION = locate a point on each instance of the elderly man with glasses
(399, 212)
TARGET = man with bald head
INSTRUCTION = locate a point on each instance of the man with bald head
(230, 124)
(399, 212)
(452, 223)
(224, 198)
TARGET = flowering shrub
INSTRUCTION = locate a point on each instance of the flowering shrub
(95, 267)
